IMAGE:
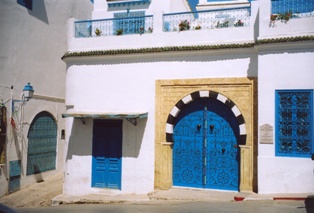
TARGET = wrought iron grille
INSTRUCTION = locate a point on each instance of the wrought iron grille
(209, 19)
(42, 144)
(294, 123)
(124, 23)
(304, 7)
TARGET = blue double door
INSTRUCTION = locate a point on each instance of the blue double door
(205, 150)
(107, 154)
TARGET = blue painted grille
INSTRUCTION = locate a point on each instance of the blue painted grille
(127, 25)
(294, 123)
(42, 143)
(295, 6)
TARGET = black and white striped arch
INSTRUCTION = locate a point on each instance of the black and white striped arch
(205, 94)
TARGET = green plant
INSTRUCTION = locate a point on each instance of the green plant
(239, 23)
(119, 31)
(98, 32)
(283, 17)
(221, 25)
(198, 27)
(142, 30)
(184, 25)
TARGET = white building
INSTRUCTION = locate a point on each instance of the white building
(185, 98)
(33, 39)
(157, 96)
(221, 97)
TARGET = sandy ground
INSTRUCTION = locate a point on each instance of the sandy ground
(36, 195)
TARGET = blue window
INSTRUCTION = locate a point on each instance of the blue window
(294, 123)
(296, 6)
(26, 3)
(129, 22)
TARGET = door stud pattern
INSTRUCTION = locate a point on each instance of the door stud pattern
(205, 150)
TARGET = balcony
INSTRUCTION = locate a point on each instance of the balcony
(116, 26)
(285, 18)
(203, 20)
(160, 30)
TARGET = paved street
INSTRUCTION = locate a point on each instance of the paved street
(36, 195)
(181, 207)
(37, 198)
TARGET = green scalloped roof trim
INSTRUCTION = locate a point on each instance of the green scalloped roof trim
(185, 48)
(285, 39)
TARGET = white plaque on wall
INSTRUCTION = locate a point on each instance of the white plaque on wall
(266, 134)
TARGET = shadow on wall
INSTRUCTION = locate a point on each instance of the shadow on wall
(39, 11)
(133, 138)
(253, 66)
(38, 174)
(81, 138)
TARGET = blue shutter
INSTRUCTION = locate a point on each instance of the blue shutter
(296, 6)
(294, 123)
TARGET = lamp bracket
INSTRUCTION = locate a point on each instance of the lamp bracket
(82, 120)
(132, 121)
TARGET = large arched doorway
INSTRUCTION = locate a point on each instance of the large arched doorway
(42, 144)
(236, 94)
(205, 149)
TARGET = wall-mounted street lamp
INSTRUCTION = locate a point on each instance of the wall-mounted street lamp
(28, 92)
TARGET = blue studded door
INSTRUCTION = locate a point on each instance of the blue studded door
(42, 144)
(205, 150)
(107, 154)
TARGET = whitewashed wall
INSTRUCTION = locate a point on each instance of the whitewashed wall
(282, 66)
(287, 67)
(127, 84)
(32, 43)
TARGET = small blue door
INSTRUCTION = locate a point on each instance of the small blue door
(205, 150)
(107, 154)
(15, 176)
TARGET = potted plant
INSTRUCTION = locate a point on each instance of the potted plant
(142, 30)
(198, 27)
(184, 25)
(285, 17)
(239, 23)
(98, 32)
(119, 32)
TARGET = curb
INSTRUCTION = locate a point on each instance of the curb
(236, 198)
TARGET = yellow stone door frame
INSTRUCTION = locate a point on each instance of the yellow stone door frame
(240, 91)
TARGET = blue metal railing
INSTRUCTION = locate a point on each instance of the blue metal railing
(304, 8)
(115, 26)
(208, 19)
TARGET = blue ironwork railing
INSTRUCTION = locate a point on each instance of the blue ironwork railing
(297, 8)
(209, 19)
(115, 26)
